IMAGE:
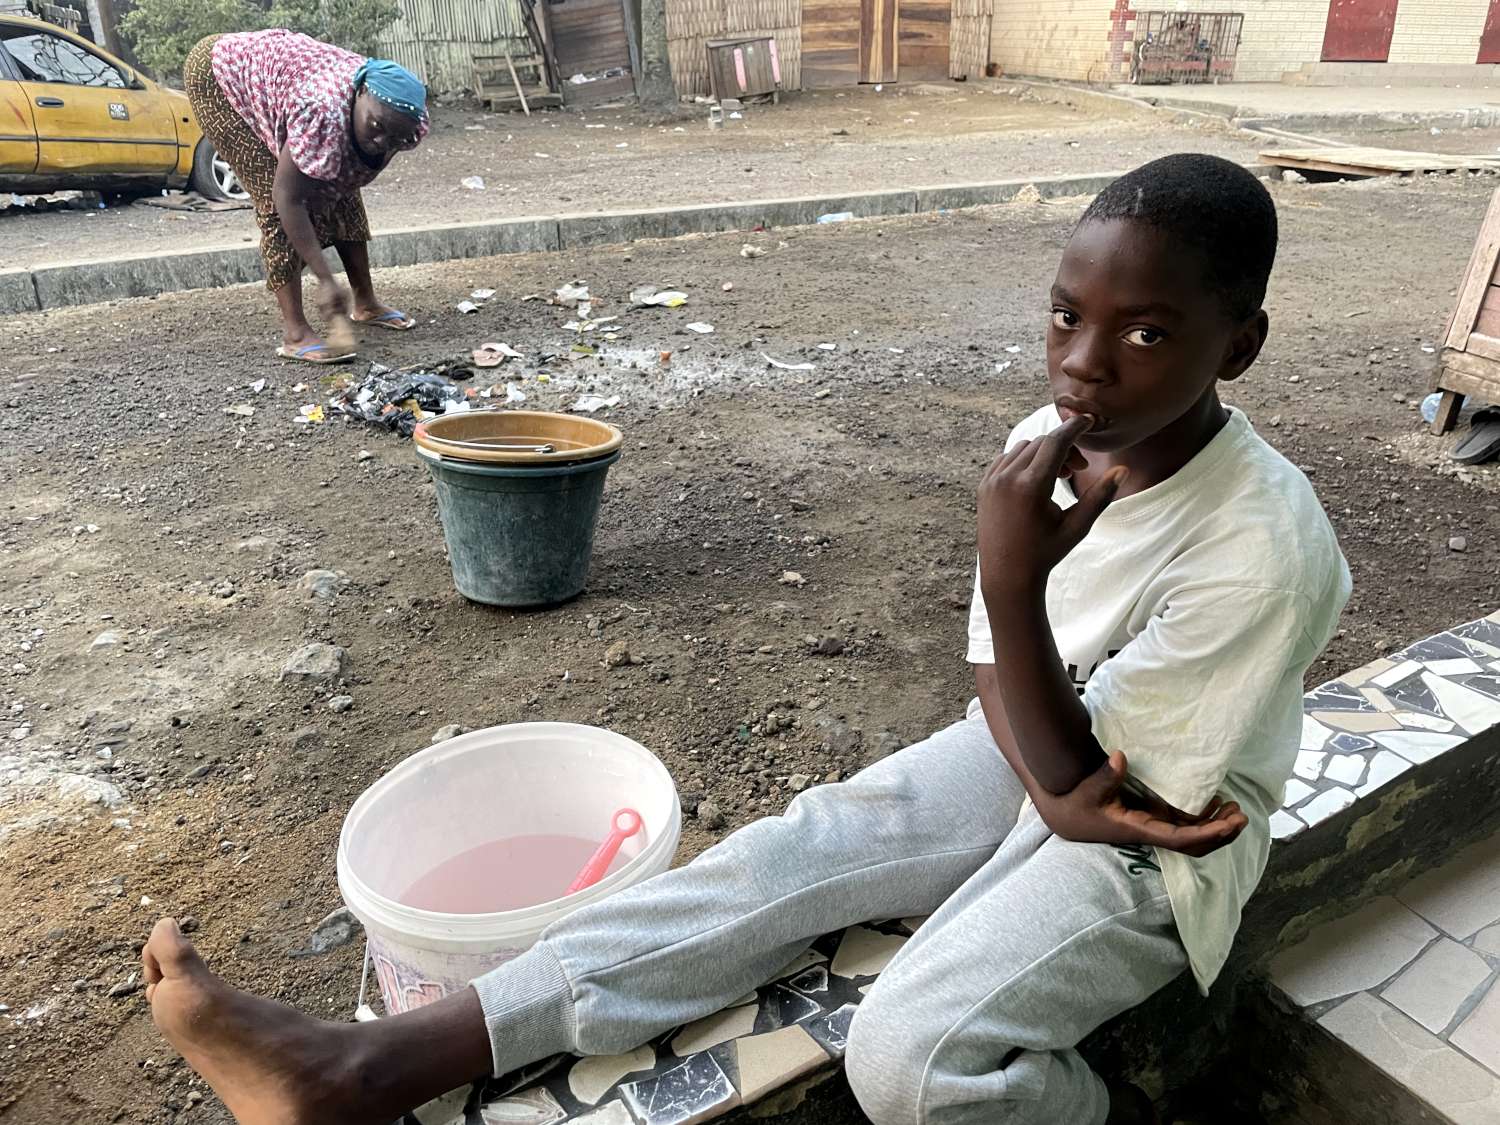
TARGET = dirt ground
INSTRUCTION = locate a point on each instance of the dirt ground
(814, 142)
(173, 772)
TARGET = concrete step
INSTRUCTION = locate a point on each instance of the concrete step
(1476, 75)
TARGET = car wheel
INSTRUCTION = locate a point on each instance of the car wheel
(213, 178)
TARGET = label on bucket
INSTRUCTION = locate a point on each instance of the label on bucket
(508, 874)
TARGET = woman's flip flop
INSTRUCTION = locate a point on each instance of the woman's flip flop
(305, 357)
(394, 321)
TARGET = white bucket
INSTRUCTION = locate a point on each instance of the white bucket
(517, 780)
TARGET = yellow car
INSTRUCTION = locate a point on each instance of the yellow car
(72, 117)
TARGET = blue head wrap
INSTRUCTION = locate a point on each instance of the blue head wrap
(394, 85)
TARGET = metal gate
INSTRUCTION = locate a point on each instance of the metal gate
(1185, 46)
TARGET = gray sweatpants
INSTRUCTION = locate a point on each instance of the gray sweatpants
(1033, 941)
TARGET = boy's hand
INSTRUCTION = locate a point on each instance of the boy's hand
(1095, 812)
(1023, 534)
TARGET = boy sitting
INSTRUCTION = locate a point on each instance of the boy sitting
(1153, 580)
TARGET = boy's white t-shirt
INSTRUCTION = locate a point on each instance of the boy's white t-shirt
(1187, 618)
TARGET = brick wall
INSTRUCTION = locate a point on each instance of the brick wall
(1069, 38)
(1052, 38)
(1438, 31)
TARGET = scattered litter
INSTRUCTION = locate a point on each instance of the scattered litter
(570, 296)
(897, 351)
(482, 294)
(309, 413)
(748, 251)
(473, 183)
(514, 393)
(467, 307)
(1429, 407)
(838, 217)
(623, 144)
(1292, 176)
(1428, 349)
(999, 367)
(647, 295)
(728, 287)
(590, 403)
(582, 350)
(580, 79)
(1013, 349)
(736, 115)
(544, 155)
(244, 410)
(398, 400)
(823, 393)
(700, 328)
(492, 355)
(829, 347)
(786, 366)
(258, 386)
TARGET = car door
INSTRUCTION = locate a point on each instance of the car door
(87, 117)
(17, 133)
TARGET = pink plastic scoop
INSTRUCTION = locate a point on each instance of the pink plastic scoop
(599, 862)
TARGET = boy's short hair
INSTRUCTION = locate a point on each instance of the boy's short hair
(1211, 205)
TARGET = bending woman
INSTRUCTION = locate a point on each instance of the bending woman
(305, 125)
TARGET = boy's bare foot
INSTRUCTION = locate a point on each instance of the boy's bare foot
(1129, 1105)
(273, 1065)
(270, 1064)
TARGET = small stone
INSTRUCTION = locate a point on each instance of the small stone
(798, 782)
(618, 655)
(791, 578)
(691, 801)
(365, 455)
(336, 930)
(709, 815)
(187, 924)
(830, 646)
(194, 1097)
(340, 703)
(104, 639)
(306, 739)
(443, 734)
(125, 987)
(318, 583)
(833, 776)
(315, 663)
(1458, 543)
(224, 590)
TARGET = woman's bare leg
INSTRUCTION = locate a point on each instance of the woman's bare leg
(356, 259)
(296, 332)
(272, 1065)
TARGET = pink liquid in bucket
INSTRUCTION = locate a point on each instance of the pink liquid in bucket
(509, 874)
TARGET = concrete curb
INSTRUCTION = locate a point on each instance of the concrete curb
(86, 283)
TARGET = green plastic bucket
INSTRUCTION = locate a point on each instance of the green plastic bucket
(518, 535)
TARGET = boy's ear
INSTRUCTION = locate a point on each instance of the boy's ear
(1245, 345)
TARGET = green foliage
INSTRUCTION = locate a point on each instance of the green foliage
(162, 32)
(354, 24)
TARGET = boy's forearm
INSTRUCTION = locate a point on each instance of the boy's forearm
(1051, 726)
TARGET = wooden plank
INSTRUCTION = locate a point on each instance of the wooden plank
(1475, 371)
(922, 47)
(1485, 347)
(1375, 161)
(1477, 276)
(1488, 320)
(1446, 414)
(830, 42)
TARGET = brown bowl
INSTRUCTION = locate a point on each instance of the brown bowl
(511, 437)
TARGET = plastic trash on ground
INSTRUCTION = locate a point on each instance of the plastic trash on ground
(647, 295)
(587, 404)
(398, 400)
(838, 217)
(467, 307)
(570, 296)
(786, 366)
(482, 294)
(492, 355)
(514, 393)
(473, 183)
(1430, 406)
(699, 327)
(748, 251)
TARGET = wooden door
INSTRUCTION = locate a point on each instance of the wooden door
(922, 40)
(1489, 39)
(1359, 30)
(589, 38)
(877, 40)
(830, 43)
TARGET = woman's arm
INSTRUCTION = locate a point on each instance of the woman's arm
(293, 191)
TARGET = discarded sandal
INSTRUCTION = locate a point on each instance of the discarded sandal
(1482, 442)
(305, 357)
(394, 321)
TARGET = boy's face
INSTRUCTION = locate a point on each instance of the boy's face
(1137, 338)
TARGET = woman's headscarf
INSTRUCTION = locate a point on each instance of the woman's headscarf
(394, 85)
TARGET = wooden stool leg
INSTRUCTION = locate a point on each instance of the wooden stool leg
(1447, 412)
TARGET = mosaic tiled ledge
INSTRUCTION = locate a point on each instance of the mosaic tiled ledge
(1367, 728)
(1360, 732)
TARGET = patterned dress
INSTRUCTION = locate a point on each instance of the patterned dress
(257, 92)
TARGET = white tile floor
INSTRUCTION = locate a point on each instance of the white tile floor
(1410, 982)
